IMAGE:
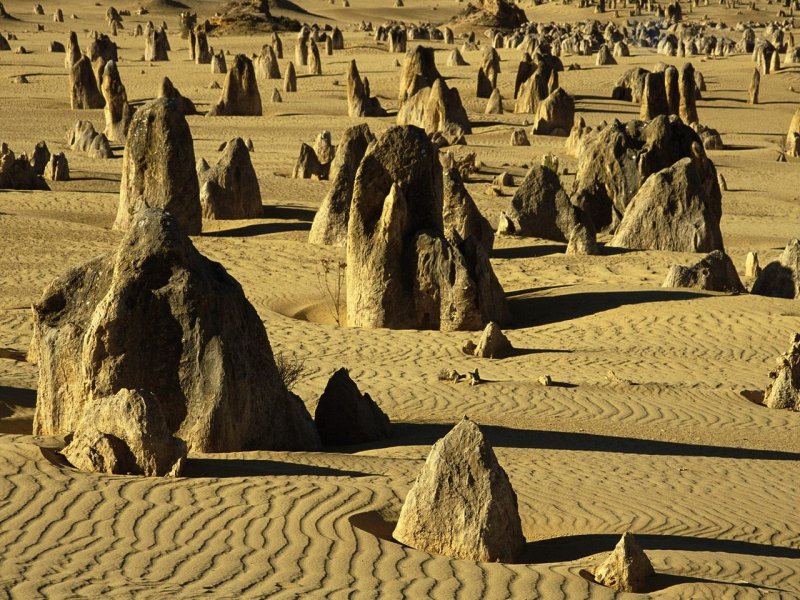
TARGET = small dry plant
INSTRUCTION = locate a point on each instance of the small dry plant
(290, 368)
(331, 281)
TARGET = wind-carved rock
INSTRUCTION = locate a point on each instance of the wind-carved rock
(402, 272)
(158, 167)
(462, 504)
(627, 568)
(229, 189)
(117, 111)
(83, 86)
(359, 102)
(158, 316)
(240, 95)
(346, 416)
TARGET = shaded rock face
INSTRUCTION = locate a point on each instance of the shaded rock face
(555, 114)
(290, 79)
(184, 105)
(436, 109)
(781, 278)
(783, 391)
(346, 416)
(627, 568)
(493, 343)
(101, 47)
(83, 137)
(117, 111)
(229, 189)
(309, 165)
(715, 273)
(532, 91)
(158, 167)
(541, 208)
(419, 71)
(83, 86)
(462, 504)
(329, 227)
(57, 168)
(630, 86)
(158, 316)
(654, 97)
(267, 63)
(401, 271)
(17, 173)
(677, 209)
(460, 214)
(240, 95)
(615, 162)
(793, 135)
(156, 46)
(125, 434)
(688, 94)
(359, 102)
(40, 157)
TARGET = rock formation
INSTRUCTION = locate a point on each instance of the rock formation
(308, 165)
(158, 167)
(17, 173)
(330, 222)
(156, 45)
(267, 63)
(627, 568)
(781, 278)
(158, 316)
(359, 102)
(229, 189)
(346, 416)
(125, 434)
(57, 168)
(541, 208)
(117, 111)
(290, 79)
(654, 97)
(218, 63)
(40, 157)
(793, 135)
(555, 114)
(84, 138)
(462, 504)
(183, 104)
(240, 96)
(460, 214)
(783, 391)
(493, 343)
(494, 106)
(402, 273)
(676, 209)
(83, 86)
(419, 71)
(688, 93)
(436, 109)
(714, 273)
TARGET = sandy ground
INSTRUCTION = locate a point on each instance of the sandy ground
(679, 454)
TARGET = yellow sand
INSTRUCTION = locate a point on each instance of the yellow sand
(710, 479)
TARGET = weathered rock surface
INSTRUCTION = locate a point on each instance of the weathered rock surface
(783, 391)
(329, 227)
(462, 504)
(83, 86)
(158, 167)
(493, 343)
(125, 434)
(240, 95)
(781, 278)
(715, 273)
(627, 568)
(229, 189)
(156, 315)
(359, 102)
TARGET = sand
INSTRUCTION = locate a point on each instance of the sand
(675, 449)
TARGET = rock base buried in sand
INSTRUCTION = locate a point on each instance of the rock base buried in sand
(715, 273)
(627, 569)
(462, 504)
(346, 416)
(493, 343)
(784, 389)
(126, 434)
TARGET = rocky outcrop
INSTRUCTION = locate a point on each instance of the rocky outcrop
(240, 95)
(308, 165)
(57, 168)
(436, 109)
(125, 434)
(555, 114)
(402, 273)
(419, 71)
(117, 111)
(330, 222)
(627, 568)
(359, 102)
(156, 45)
(616, 160)
(229, 189)
(781, 278)
(346, 416)
(714, 273)
(17, 173)
(462, 504)
(783, 391)
(84, 138)
(158, 167)
(184, 105)
(677, 209)
(493, 343)
(541, 208)
(158, 316)
(83, 86)
(266, 64)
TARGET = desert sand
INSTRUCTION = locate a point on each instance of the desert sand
(674, 447)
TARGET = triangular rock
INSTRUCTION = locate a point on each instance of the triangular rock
(627, 569)
(346, 416)
(462, 504)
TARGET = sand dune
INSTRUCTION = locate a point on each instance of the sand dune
(675, 449)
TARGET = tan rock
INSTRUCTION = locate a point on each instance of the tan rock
(229, 189)
(462, 504)
(240, 96)
(627, 568)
